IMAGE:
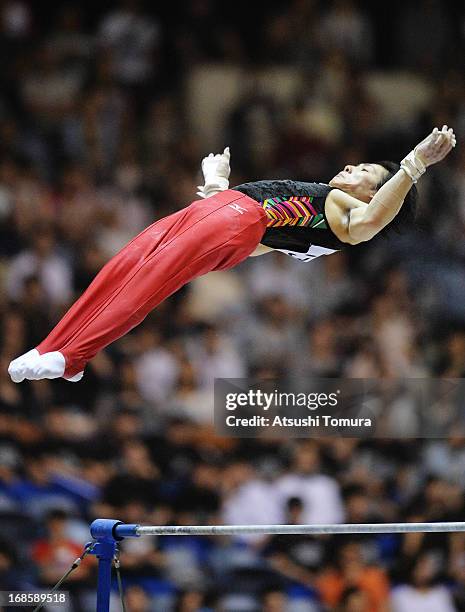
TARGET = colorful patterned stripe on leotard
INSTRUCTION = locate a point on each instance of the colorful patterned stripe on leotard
(293, 211)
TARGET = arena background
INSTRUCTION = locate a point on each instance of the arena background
(105, 114)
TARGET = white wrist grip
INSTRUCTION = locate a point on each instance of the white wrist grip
(413, 166)
(213, 187)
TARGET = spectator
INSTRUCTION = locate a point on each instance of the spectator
(351, 570)
(422, 592)
(215, 356)
(248, 499)
(347, 29)
(320, 494)
(136, 599)
(47, 264)
(55, 553)
(132, 37)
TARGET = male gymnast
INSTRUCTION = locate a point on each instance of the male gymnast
(217, 232)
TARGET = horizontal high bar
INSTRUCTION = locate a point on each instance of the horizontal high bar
(363, 528)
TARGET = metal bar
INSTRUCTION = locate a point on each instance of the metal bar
(106, 532)
(300, 529)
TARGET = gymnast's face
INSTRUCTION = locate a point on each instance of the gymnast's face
(360, 181)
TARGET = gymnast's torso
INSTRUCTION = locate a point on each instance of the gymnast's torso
(297, 222)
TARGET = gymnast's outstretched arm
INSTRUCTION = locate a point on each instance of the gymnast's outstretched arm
(366, 220)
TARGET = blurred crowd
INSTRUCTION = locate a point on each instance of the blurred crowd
(106, 111)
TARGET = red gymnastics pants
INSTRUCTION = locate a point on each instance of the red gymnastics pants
(212, 234)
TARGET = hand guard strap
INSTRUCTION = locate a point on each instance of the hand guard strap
(413, 166)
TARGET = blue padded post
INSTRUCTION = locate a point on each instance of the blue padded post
(102, 530)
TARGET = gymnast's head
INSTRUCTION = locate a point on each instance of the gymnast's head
(363, 181)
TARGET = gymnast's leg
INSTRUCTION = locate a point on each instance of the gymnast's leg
(216, 233)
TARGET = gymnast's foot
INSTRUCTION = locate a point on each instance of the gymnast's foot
(34, 366)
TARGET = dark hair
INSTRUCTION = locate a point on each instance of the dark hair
(405, 218)
(294, 503)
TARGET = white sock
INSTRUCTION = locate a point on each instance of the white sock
(48, 365)
(33, 366)
(17, 368)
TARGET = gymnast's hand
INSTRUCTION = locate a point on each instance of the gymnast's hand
(429, 151)
(216, 171)
(436, 146)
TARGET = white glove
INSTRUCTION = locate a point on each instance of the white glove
(431, 150)
(216, 171)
